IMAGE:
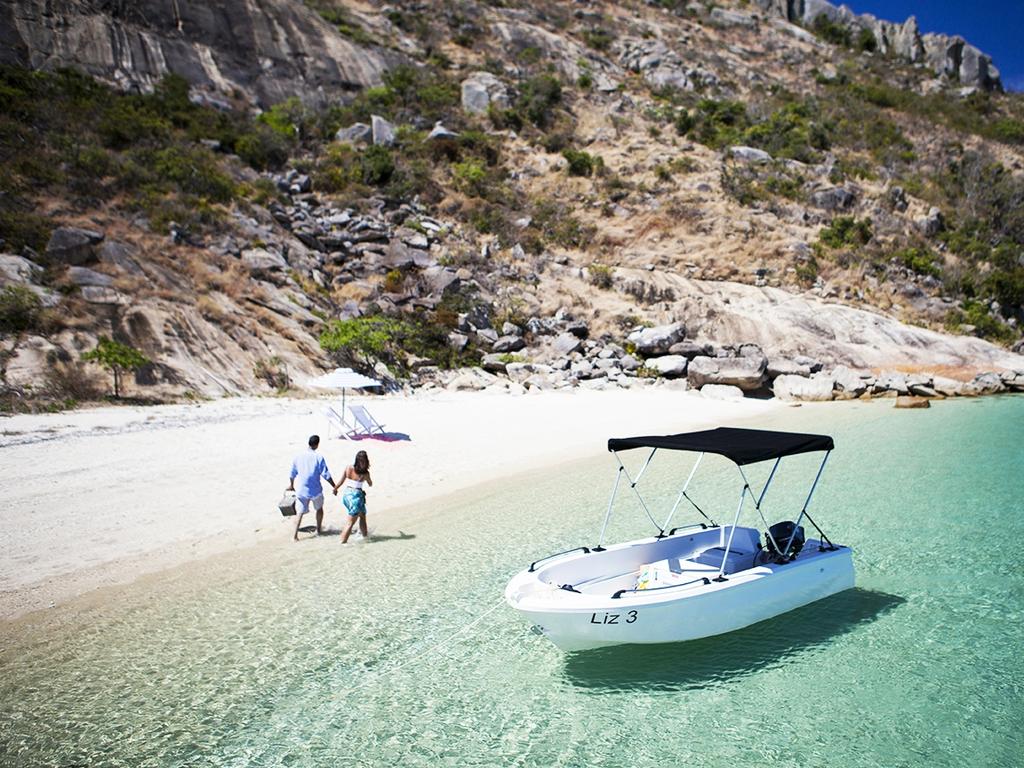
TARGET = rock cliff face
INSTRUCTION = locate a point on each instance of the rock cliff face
(946, 55)
(268, 50)
(593, 169)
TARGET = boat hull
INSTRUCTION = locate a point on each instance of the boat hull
(576, 622)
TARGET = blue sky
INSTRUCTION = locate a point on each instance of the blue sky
(994, 26)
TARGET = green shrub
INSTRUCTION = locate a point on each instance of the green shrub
(538, 98)
(919, 260)
(789, 132)
(1008, 130)
(581, 163)
(716, 123)
(195, 171)
(285, 118)
(600, 275)
(394, 280)
(846, 231)
(471, 177)
(23, 229)
(831, 31)
(750, 184)
(377, 337)
(377, 165)
(127, 122)
(263, 149)
(20, 309)
(368, 337)
(976, 313)
(807, 271)
(866, 40)
(684, 122)
(553, 223)
(598, 38)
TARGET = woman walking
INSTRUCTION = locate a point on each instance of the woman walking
(356, 477)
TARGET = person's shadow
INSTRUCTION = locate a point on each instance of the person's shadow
(723, 658)
(373, 538)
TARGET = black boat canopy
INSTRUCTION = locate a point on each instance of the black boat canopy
(742, 446)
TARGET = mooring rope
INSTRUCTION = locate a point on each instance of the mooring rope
(416, 656)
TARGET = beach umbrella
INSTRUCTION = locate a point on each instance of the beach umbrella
(343, 378)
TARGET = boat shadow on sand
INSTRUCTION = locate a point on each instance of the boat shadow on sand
(716, 660)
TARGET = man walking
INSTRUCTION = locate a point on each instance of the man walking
(309, 466)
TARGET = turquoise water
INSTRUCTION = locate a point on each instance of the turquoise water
(314, 655)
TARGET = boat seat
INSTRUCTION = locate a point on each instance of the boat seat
(673, 570)
(738, 559)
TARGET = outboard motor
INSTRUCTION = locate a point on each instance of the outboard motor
(779, 534)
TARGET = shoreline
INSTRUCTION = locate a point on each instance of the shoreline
(131, 503)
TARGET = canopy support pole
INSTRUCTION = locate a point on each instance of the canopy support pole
(757, 502)
(682, 495)
(632, 484)
(608, 514)
(643, 468)
(803, 513)
(732, 530)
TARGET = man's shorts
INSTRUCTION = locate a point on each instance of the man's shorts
(316, 501)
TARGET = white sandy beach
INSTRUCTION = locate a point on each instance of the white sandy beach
(99, 497)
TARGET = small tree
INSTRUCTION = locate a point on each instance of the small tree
(116, 358)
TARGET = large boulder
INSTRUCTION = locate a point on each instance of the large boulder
(833, 199)
(721, 392)
(849, 382)
(947, 387)
(521, 372)
(509, 344)
(650, 342)
(931, 224)
(119, 256)
(690, 349)
(890, 382)
(747, 373)
(357, 133)
(669, 366)
(82, 276)
(480, 90)
(383, 131)
(441, 280)
(749, 155)
(814, 388)
(472, 379)
(262, 260)
(732, 18)
(566, 344)
(17, 269)
(781, 366)
(494, 362)
(986, 384)
(1014, 380)
(911, 401)
(72, 245)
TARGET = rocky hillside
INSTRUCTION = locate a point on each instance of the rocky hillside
(250, 192)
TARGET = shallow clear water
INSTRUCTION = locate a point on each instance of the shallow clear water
(316, 656)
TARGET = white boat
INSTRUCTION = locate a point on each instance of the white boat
(694, 580)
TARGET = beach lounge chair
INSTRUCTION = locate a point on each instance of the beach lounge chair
(365, 423)
(336, 422)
